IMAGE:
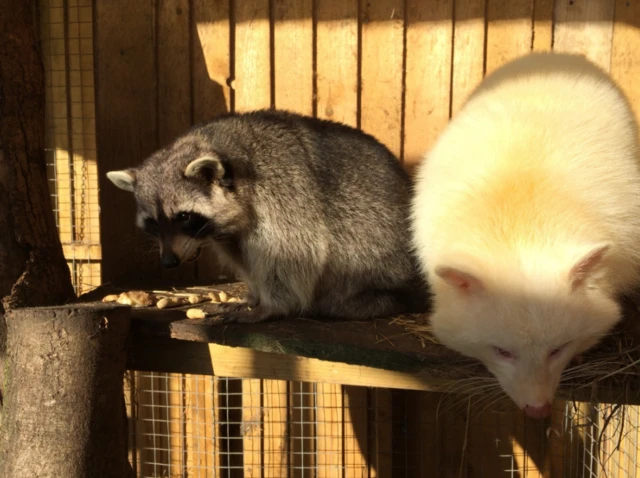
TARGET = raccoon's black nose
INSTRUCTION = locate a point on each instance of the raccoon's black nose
(170, 260)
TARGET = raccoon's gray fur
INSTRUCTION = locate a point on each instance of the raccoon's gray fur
(312, 214)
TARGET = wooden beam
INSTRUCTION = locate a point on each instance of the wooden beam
(242, 362)
(376, 353)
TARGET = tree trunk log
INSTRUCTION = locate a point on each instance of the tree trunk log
(33, 271)
(64, 408)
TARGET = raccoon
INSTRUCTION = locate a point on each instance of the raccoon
(526, 220)
(312, 214)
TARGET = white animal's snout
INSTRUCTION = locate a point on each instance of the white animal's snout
(534, 392)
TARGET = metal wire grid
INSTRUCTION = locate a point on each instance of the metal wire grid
(197, 426)
(66, 37)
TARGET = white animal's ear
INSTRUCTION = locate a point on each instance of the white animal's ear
(464, 282)
(125, 179)
(587, 265)
(210, 166)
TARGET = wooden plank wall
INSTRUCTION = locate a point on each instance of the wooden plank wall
(399, 69)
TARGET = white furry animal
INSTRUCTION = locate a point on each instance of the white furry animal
(526, 221)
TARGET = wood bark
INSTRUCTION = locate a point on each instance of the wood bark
(33, 270)
(64, 408)
(63, 411)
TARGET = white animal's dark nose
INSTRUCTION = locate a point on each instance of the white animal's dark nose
(538, 412)
(170, 260)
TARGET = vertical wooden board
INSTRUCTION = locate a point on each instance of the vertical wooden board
(428, 75)
(213, 446)
(190, 430)
(635, 437)
(252, 83)
(129, 389)
(251, 428)
(429, 436)
(625, 61)
(233, 426)
(212, 59)
(468, 50)
(293, 55)
(159, 404)
(585, 27)
(485, 445)
(275, 436)
(509, 31)
(542, 25)
(201, 415)
(149, 427)
(407, 418)
(536, 447)
(381, 66)
(173, 69)
(337, 60)
(175, 404)
(302, 443)
(126, 127)
(329, 430)
(555, 455)
(453, 423)
(527, 447)
(92, 219)
(381, 457)
(194, 418)
(356, 431)
(211, 65)
(174, 87)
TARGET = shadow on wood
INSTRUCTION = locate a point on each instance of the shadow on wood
(154, 79)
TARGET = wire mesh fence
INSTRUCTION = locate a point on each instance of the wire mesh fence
(66, 38)
(197, 426)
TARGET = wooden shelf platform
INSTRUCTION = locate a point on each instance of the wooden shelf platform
(380, 353)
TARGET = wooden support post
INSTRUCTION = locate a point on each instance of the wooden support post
(64, 406)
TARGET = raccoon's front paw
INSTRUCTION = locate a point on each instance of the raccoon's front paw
(247, 316)
(232, 308)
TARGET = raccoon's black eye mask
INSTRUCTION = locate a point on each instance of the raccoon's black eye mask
(192, 224)
(150, 226)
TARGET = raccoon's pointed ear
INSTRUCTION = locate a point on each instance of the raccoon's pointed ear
(464, 282)
(124, 179)
(588, 264)
(208, 166)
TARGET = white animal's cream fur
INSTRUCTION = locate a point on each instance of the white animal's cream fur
(526, 220)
